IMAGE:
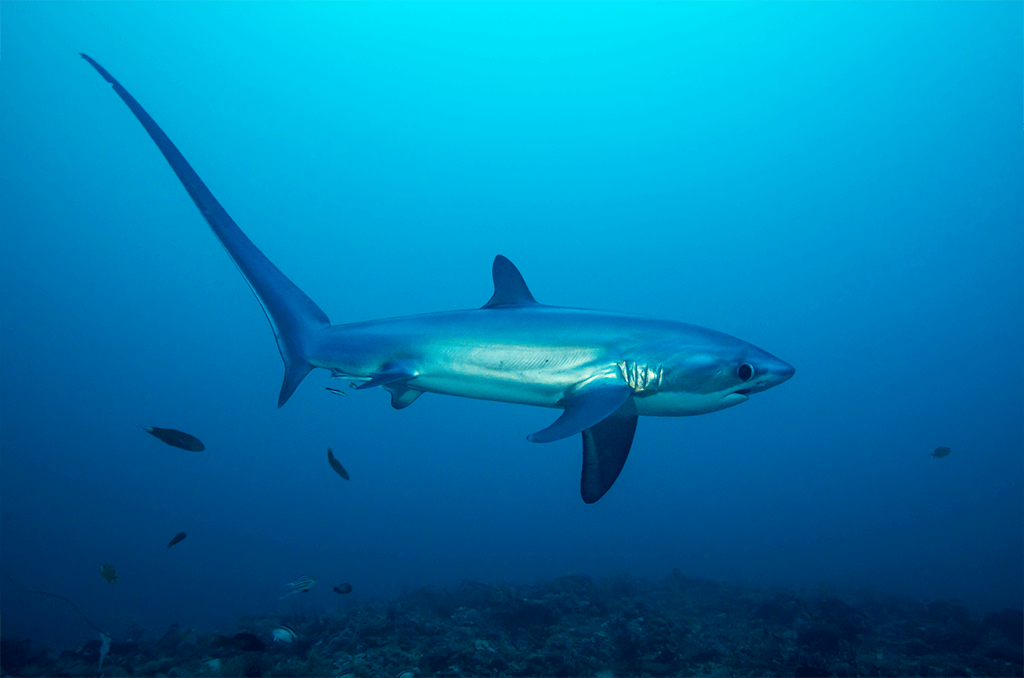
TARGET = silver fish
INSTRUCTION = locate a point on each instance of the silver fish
(284, 634)
(104, 648)
(300, 585)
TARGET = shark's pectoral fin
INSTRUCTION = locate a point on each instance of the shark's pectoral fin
(605, 448)
(584, 408)
(401, 395)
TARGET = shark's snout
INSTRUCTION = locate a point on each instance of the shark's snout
(783, 371)
(769, 372)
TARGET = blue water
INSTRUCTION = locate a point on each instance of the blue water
(839, 184)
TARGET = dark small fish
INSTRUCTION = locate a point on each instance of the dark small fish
(176, 438)
(343, 588)
(336, 391)
(109, 573)
(244, 641)
(941, 452)
(247, 642)
(178, 537)
(336, 465)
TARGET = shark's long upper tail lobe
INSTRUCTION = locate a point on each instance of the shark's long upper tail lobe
(295, 319)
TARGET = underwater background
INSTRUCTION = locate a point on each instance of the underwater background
(841, 185)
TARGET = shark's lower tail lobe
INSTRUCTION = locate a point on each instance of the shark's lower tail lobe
(295, 319)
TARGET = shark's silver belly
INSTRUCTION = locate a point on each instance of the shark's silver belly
(457, 354)
(527, 374)
(526, 356)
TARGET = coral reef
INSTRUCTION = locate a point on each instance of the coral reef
(575, 626)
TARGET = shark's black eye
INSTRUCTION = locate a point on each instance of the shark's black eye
(745, 372)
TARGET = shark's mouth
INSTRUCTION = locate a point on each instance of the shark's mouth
(743, 391)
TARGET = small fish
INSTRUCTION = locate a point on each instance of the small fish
(104, 648)
(284, 634)
(336, 391)
(246, 642)
(178, 537)
(300, 585)
(336, 465)
(941, 452)
(343, 588)
(176, 438)
(109, 573)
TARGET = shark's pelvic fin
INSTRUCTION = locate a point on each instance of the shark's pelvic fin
(295, 319)
(605, 448)
(394, 379)
(401, 395)
(509, 287)
(585, 408)
(389, 375)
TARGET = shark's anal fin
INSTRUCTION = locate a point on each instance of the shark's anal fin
(605, 448)
(401, 395)
(509, 287)
(584, 408)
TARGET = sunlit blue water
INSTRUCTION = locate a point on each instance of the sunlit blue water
(839, 184)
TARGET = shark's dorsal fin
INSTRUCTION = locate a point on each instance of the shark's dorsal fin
(509, 287)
